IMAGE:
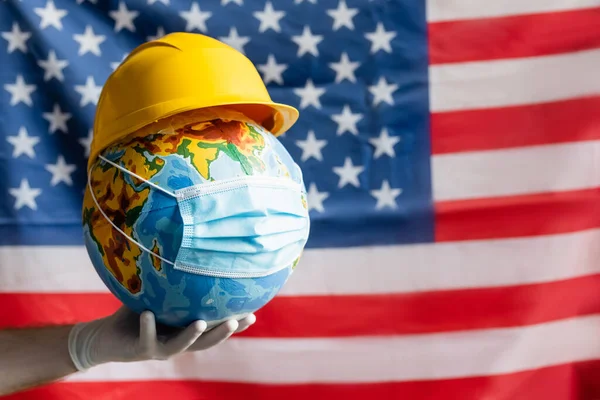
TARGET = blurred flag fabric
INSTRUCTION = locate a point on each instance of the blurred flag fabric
(452, 153)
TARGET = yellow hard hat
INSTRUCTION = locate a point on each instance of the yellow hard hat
(181, 72)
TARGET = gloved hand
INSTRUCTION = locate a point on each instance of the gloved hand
(126, 336)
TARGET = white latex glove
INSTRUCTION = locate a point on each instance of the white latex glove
(126, 336)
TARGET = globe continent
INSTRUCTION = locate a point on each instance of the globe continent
(194, 154)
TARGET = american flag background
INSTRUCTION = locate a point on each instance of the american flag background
(451, 149)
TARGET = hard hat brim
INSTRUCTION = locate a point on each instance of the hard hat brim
(277, 118)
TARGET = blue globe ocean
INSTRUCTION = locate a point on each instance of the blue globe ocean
(196, 153)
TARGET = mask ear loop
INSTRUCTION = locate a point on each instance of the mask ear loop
(135, 175)
(141, 246)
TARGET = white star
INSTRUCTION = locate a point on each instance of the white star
(123, 17)
(61, 171)
(58, 119)
(195, 18)
(88, 42)
(316, 198)
(238, 2)
(87, 142)
(348, 173)
(347, 121)
(16, 38)
(342, 16)
(115, 65)
(165, 2)
(386, 196)
(272, 71)
(344, 69)
(50, 15)
(309, 95)
(384, 144)
(382, 91)
(311, 147)
(234, 40)
(307, 42)
(380, 39)
(310, 1)
(25, 195)
(160, 32)
(89, 92)
(20, 91)
(23, 143)
(269, 18)
(53, 67)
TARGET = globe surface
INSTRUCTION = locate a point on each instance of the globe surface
(196, 153)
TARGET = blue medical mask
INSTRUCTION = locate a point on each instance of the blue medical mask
(243, 227)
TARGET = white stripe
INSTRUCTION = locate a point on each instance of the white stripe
(477, 85)
(355, 270)
(447, 10)
(374, 359)
(517, 171)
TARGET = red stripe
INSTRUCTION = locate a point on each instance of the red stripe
(517, 216)
(506, 127)
(42, 309)
(514, 36)
(336, 316)
(577, 381)
(428, 312)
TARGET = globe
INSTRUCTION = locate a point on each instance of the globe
(194, 153)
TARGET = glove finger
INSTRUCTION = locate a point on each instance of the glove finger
(185, 338)
(245, 323)
(217, 335)
(147, 331)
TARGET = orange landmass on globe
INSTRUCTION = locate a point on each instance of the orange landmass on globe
(201, 142)
(118, 253)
